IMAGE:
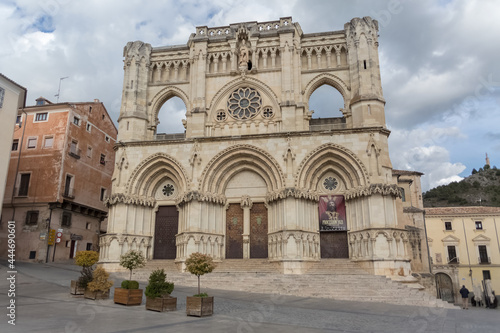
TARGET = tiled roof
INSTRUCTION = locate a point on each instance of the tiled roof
(462, 210)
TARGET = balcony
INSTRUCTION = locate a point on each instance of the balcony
(484, 260)
(173, 136)
(327, 124)
(74, 152)
(453, 261)
(69, 192)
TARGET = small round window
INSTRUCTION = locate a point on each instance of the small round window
(267, 112)
(168, 190)
(330, 183)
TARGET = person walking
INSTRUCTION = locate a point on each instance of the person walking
(465, 297)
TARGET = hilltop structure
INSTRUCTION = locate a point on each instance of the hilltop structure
(254, 176)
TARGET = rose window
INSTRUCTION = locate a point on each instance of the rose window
(244, 103)
(330, 183)
(168, 190)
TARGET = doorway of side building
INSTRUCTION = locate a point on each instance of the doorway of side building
(166, 227)
(444, 287)
(333, 244)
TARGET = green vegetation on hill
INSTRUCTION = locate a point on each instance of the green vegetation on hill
(482, 188)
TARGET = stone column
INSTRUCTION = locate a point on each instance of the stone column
(246, 205)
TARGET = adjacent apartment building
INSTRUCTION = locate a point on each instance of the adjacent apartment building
(465, 248)
(60, 170)
(12, 98)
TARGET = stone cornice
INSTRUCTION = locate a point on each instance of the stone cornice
(118, 198)
(365, 191)
(245, 137)
(292, 192)
(202, 197)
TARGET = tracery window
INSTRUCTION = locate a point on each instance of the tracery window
(221, 115)
(268, 112)
(330, 183)
(244, 103)
(168, 190)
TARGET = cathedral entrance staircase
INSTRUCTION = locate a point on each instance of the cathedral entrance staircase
(339, 279)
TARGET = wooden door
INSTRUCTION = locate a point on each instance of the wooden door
(166, 227)
(234, 232)
(258, 231)
(445, 287)
(334, 244)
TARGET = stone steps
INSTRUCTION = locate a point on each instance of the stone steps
(335, 278)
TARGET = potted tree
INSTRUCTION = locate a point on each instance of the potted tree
(129, 293)
(200, 304)
(98, 288)
(158, 293)
(85, 259)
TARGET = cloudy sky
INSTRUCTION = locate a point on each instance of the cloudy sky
(439, 62)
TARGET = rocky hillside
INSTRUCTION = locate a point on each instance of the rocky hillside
(480, 188)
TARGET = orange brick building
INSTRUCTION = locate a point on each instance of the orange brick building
(60, 171)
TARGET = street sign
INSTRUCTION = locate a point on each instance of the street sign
(59, 235)
(52, 237)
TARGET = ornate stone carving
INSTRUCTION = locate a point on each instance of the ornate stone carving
(117, 198)
(293, 193)
(246, 202)
(200, 196)
(364, 191)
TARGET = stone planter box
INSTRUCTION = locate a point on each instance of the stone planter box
(75, 289)
(96, 294)
(200, 306)
(128, 296)
(161, 304)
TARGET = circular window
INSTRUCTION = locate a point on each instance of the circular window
(267, 112)
(244, 103)
(168, 190)
(221, 115)
(330, 183)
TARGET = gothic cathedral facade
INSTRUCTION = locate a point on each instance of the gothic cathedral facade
(254, 176)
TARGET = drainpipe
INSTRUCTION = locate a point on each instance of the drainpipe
(427, 244)
(17, 167)
(48, 232)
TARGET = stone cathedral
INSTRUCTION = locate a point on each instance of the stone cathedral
(254, 175)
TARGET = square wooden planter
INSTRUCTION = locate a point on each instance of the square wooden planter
(76, 289)
(161, 304)
(200, 306)
(128, 296)
(96, 294)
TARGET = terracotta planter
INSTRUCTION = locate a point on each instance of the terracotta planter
(128, 296)
(96, 294)
(76, 289)
(161, 304)
(200, 306)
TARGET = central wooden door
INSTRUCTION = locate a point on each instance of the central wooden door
(234, 232)
(334, 244)
(258, 231)
(166, 227)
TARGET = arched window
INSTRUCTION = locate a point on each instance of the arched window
(326, 102)
(170, 116)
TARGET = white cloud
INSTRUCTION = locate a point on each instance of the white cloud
(433, 56)
(419, 150)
